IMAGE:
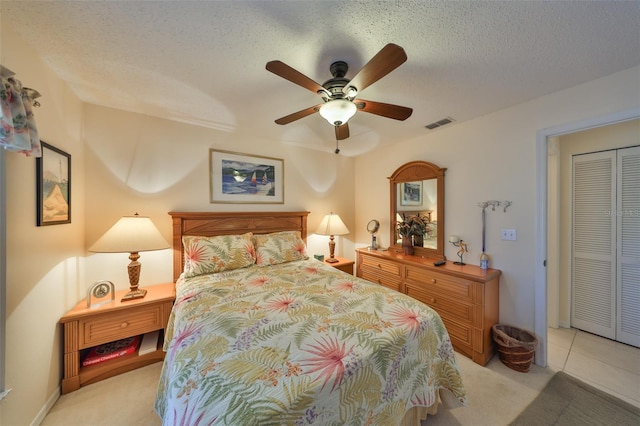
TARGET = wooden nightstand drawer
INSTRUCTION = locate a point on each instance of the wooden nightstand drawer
(456, 288)
(109, 327)
(375, 264)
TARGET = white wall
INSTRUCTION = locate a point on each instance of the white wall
(44, 264)
(152, 166)
(493, 158)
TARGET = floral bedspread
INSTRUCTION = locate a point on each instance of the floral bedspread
(300, 343)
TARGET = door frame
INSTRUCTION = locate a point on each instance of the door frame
(540, 274)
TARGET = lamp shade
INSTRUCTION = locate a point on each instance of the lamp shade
(338, 111)
(332, 225)
(130, 234)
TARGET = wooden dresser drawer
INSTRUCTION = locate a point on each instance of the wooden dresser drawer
(117, 325)
(456, 288)
(378, 277)
(375, 264)
(461, 334)
(460, 310)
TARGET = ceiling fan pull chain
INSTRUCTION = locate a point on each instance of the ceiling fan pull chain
(337, 151)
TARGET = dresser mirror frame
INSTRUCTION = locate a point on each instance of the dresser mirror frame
(418, 172)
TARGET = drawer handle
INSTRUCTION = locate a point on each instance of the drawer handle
(124, 325)
(433, 280)
(379, 281)
(433, 300)
(379, 266)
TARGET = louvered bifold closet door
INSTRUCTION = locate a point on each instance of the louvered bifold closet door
(628, 214)
(593, 243)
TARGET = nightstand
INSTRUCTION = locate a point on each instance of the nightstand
(85, 328)
(343, 264)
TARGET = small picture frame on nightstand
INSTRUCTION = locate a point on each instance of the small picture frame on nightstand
(100, 290)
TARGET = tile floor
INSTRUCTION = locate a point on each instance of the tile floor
(605, 364)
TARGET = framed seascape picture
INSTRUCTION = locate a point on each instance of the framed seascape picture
(243, 178)
(411, 193)
(53, 180)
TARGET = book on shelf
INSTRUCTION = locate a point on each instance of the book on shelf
(149, 343)
(111, 350)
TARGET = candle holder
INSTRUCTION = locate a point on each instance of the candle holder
(462, 248)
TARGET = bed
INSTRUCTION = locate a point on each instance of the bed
(261, 334)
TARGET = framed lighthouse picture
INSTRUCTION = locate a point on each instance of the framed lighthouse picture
(53, 181)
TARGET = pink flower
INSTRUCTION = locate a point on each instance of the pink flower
(346, 286)
(258, 281)
(194, 253)
(405, 317)
(299, 247)
(329, 354)
(281, 304)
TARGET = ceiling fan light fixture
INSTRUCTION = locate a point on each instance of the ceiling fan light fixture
(338, 111)
(351, 93)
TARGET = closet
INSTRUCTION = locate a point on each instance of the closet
(605, 259)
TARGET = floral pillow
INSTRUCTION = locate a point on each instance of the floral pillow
(279, 247)
(207, 255)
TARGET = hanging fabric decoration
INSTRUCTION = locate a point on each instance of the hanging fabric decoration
(18, 130)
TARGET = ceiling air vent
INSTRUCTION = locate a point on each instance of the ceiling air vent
(439, 123)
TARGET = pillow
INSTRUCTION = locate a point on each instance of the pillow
(207, 255)
(279, 247)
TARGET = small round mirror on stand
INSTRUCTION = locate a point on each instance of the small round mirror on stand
(373, 227)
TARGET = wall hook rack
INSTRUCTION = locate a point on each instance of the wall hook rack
(494, 204)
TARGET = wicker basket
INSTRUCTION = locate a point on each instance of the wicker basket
(516, 347)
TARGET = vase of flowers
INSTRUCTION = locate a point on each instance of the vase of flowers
(409, 227)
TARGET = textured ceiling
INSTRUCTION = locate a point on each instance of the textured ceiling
(204, 62)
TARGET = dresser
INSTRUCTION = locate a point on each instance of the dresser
(466, 297)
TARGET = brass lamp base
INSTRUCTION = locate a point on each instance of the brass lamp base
(332, 249)
(134, 294)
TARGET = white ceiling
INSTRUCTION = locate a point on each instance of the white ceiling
(204, 62)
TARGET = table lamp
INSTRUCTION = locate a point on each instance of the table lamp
(131, 234)
(332, 225)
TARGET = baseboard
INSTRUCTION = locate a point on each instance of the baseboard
(47, 407)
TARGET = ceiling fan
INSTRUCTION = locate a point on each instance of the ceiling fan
(339, 94)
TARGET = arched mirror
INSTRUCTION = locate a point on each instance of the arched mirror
(417, 190)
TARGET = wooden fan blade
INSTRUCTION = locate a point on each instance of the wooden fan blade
(342, 132)
(386, 60)
(296, 77)
(298, 115)
(385, 110)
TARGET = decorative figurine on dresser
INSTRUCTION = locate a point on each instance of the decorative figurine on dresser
(465, 296)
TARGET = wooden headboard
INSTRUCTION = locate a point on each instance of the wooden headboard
(209, 224)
